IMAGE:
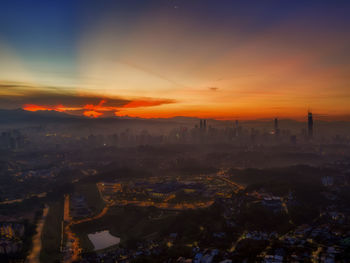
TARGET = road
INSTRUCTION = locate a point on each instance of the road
(221, 176)
(165, 205)
(34, 256)
(8, 202)
(66, 216)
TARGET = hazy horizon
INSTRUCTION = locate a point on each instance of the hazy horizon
(177, 131)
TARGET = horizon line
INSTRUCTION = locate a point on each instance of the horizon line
(317, 117)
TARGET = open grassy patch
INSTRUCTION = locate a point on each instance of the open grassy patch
(92, 196)
(51, 236)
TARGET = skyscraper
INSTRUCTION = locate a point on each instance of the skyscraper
(237, 128)
(276, 130)
(310, 124)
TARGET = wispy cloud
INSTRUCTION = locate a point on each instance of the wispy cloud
(214, 88)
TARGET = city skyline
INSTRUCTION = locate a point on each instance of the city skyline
(153, 59)
(201, 131)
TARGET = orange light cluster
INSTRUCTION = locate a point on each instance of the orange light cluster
(97, 107)
(90, 110)
(33, 107)
(94, 111)
(92, 114)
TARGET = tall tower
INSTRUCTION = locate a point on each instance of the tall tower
(200, 124)
(204, 124)
(310, 125)
(276, 130)
(237, 129)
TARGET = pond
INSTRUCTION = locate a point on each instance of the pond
(103, 239)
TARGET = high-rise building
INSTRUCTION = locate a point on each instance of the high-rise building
(238, 129)
(276, 129)
(204, 124)
(276, 124)
(310, 125)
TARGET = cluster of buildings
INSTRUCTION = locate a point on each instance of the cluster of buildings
(122, 255)
(153, 250)
(11, 235)
(316, 243)
(38, 173)
(12, 140)
(165, 192)
(205, 131)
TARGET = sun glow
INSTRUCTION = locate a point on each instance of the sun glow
(59, 108)
(92, 114)
(100, 109)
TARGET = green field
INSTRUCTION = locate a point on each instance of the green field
(92, 196)
(51, 236)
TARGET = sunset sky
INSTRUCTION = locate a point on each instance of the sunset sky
(212, 59)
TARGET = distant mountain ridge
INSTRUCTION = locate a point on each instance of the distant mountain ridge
(20, 115)
(50, 116)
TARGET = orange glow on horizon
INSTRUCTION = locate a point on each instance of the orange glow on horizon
(96, 107)
(92, 114)
(144, 103)
(148, 112)
(95, 111)
(33, 107)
